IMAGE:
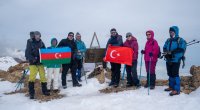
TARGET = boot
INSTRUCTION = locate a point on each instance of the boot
(77, 85)
(174, 93)
(44, 89)
(168, 89)
(31, 90)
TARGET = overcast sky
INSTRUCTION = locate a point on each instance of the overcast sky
(55, 18)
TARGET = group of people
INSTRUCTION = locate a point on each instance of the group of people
(32, 55)
(174, 49)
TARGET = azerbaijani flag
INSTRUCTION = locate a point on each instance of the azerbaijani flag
(55, 55)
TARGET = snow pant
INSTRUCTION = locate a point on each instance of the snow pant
(115, 76)
(79, 67)
(72, 66)
(132, 77)
(173, 73)
(34, 69)
(152, 72)
(55, 72)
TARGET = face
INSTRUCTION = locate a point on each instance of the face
(54, 43)
(171, 33)
(78, 37)
(37, 37)
(148, 35)
(113, 33)
(71, 37)
(128, 37)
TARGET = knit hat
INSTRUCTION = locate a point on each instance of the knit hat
(128, 34)
(78, 34)
(113, 30)
(37, 33)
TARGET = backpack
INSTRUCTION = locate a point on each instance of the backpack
(159, 53)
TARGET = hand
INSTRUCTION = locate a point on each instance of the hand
(142, 52)
(151, 54)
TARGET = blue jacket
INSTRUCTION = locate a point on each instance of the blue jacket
(176, 46)
(82, 48)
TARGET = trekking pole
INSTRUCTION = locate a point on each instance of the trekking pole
(123, 74)
(149, 76)
(140, 68)
(19, 83)
(192, 43)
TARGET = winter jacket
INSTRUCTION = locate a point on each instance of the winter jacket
(32, 52)
(151, 47)
(133, 44)
(176, 46)
(53, 65)
(82, 48)
(71, 44)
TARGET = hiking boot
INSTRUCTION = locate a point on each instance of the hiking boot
(168, 89)
(48, 90)
(64, 87)
(138, 85)
(152, 87)
(116, 85)
(44, 89)
(79, 80)
(174, 93)
(31, 90)
(111, 84)
(146, 85)
(77, 85)
(129, 85)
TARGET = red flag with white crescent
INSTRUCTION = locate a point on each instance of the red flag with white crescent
(117, 54)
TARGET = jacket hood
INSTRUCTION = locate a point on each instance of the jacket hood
(152, 34)
(176, 29)
(53, 40)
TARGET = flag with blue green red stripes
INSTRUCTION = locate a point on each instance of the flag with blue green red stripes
(55, 55)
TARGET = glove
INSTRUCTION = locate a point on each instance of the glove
(151, 54)
(142, 52)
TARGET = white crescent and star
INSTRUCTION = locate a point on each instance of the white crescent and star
(111, 54)
(57, 55)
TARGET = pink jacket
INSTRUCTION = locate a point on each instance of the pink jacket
(133, 45)
(151, 46)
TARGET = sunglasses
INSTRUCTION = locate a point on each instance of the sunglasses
(148, 34)
(71, 35)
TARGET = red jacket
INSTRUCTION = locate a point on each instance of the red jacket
(151, 46)
(133, 44)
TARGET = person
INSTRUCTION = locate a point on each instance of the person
(29, 43)
(151, 53)
(132, 78)
(53, 69)
(174, 49)
(115, 40)
(80, 55)
(69, 42)
(35, 66)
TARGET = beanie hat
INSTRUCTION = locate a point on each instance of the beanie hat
(37, 33)
(113, 29)
(128, 34)
(78, 34)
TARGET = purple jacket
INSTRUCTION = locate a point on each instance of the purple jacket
(151, 46)
(133, 45)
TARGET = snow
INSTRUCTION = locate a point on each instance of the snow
(6, 62)
(88, 97)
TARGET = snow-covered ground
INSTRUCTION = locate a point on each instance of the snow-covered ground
(89, 98)
(6, 62)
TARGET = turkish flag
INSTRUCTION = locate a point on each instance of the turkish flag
(117, 54)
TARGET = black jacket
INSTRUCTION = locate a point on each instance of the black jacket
(32, 51)
(71, 44)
